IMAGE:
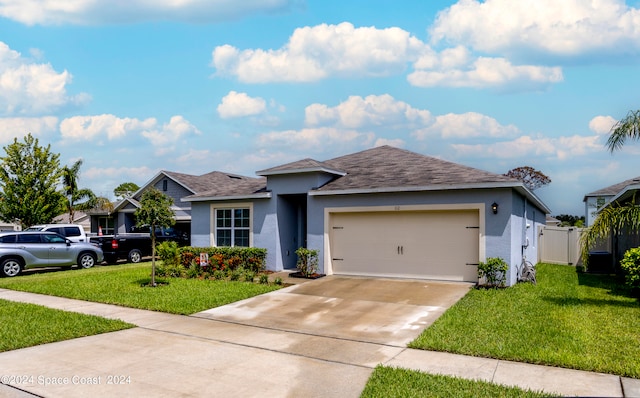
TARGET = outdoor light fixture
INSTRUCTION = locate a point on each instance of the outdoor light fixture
(494, 208)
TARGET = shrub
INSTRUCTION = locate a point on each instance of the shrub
(630, 265)
(168, 253)
(218, 274)
(263, 279)
(494, 270)
(249, 275)
(278, 281)
(307, 261)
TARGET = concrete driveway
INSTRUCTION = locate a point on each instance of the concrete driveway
(316, 339)
(383, 311)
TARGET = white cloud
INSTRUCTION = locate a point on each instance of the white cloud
(466, 125)
(28, 88)
(170, 133)
(483, 72)
(323, 51)
(94, 128)
(237, 104)
(12, 127)
(314, 53)
(565, 28)
(89, 12)
(561, 148)
(373, 110)
(602, 124)
(316, 139)
(89, 128)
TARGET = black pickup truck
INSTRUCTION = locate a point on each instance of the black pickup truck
(133, 246)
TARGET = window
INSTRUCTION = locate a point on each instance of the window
(53, 239)
(8, 239)
(232, 227)
(29, 238)
(164, 185)
(106, 225)
(71, 231)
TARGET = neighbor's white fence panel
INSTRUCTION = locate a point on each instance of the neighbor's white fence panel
(559, 245)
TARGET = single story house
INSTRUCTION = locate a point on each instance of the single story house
(175, 185)
(618, 194)
(384, 212)
(596, 200)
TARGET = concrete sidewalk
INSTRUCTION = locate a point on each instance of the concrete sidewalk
(172, 355)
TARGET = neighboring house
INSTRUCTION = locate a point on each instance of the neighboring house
(596, 200)
(619, 194)
(384, 212)
(175, 185)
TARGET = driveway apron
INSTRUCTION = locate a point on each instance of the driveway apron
(316, 339)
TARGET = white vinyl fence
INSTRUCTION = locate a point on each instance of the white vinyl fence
(559, 245)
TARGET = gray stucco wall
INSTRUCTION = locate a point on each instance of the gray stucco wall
(505, 231)
(497, 232)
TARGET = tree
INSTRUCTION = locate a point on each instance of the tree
(29, 178)
(532, 178)
(615, 218)
(155, 212)
(125, 190)
(72, 193)
(568, 220)
(628, 127)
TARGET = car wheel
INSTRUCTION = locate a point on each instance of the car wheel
(11, 267)
(135, 256)
(86, 260)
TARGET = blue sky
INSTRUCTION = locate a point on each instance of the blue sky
(193, 86)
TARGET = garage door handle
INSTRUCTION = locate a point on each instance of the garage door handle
(338, 259)
(474, 264)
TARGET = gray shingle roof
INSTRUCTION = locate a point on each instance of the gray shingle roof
(614, 189)
(300, 166)
(389, 167)
(218, 183)
(383, 167)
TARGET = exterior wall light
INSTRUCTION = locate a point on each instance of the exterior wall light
(494, 208)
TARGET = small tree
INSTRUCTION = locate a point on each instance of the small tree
(530, 177)
(29, 178)
(155, 211)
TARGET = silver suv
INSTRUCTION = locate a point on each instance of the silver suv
(24, 250)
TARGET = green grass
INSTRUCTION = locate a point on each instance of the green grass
(123, 285)
(402, 383)
(32, 324)
(570, 320)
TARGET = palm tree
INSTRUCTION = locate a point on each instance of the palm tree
(72, 193)
(616, 218)
(628, 127)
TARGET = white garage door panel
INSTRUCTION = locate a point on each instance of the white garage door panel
(425, 244)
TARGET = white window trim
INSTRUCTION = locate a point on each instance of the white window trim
(212, 221)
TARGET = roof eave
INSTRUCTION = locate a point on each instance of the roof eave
(518, 186)
(262, 195)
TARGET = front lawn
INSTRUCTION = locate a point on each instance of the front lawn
(123, 285)
(571, 320)
(403, 383)
(34, 324)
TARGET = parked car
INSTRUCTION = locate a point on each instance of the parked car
(74, 232)
(24, 250)
(133, 246)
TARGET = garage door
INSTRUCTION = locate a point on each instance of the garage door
(440, 245)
